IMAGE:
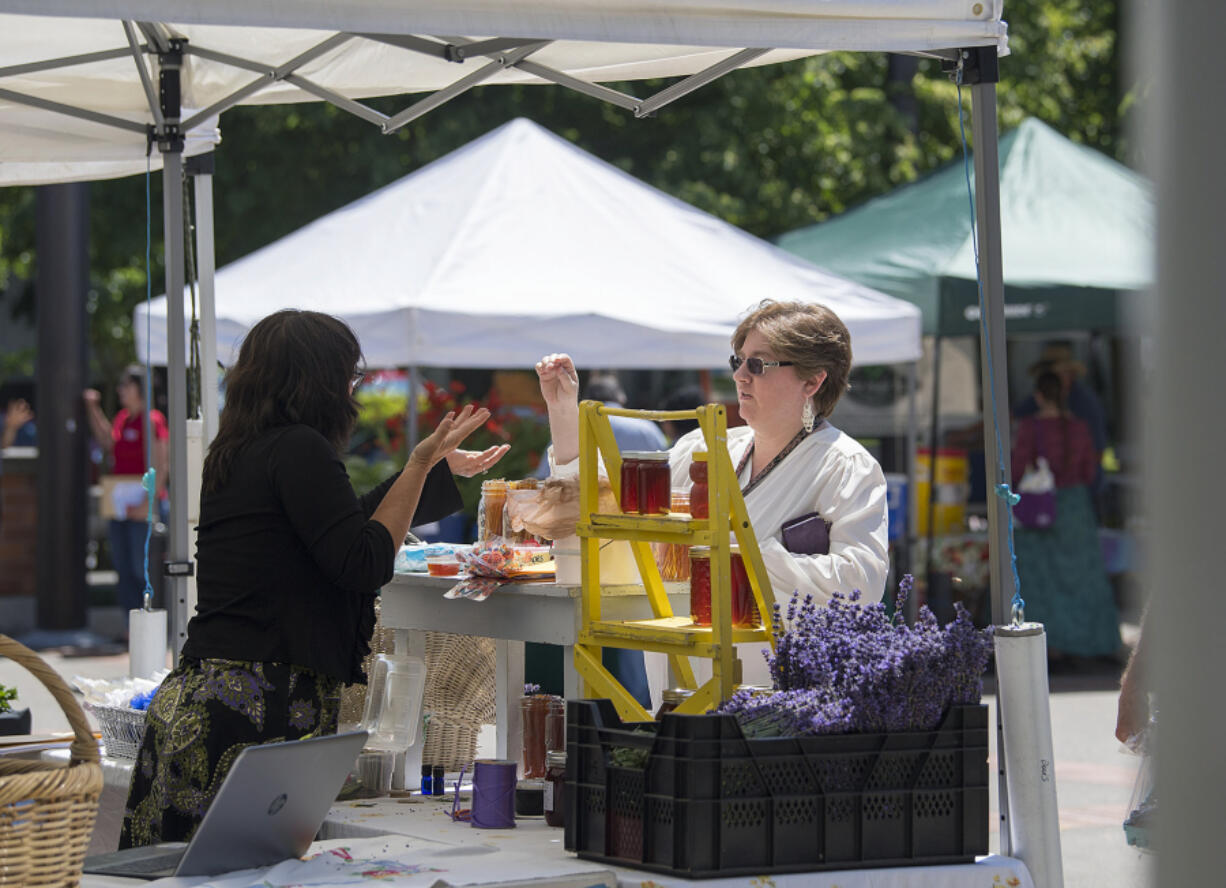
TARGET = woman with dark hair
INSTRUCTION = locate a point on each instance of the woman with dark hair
(123, 440)
(1064, 583)
(790, 364)
(289, 561)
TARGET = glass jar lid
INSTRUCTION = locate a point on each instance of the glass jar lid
(676, 695)
(700, 551)
(555, 758)
(646, 455)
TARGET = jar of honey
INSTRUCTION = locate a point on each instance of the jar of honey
(630, 483)
(671, 699)
(700, 585)
(645, 482)
(555, 726)
(698, 493)
(493, 502)
(744, 608)
(673, 559)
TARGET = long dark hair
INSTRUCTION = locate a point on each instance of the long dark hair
(294, 367)
(1048, 385)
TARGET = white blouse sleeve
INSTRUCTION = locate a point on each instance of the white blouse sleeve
(853, 500)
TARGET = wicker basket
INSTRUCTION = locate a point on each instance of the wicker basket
(123, 728)
(47, 811)
(460, 690)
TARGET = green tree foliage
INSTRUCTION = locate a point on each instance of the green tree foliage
(769, 149)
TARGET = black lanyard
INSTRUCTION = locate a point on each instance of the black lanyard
(766, 470)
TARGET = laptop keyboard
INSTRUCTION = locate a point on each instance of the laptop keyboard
(153, 866)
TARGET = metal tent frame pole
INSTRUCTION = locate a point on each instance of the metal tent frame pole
(201, 170)
(912, 606)
(169, 137)
(983, 73)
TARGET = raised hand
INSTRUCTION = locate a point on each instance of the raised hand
(467, 463)
(451, 431)
(559, 379)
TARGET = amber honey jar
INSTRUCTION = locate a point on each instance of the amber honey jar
(645, 482)
(698, 492)
(700, 585)
(744, 609)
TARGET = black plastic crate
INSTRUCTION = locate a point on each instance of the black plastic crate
(710, 802)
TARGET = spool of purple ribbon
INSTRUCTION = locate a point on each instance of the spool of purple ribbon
(493, 794)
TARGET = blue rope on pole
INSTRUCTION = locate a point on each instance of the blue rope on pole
(149, 479)
(1002, 488)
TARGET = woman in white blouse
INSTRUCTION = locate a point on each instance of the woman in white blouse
(791, 361)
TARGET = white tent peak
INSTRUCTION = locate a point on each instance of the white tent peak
(521, 243)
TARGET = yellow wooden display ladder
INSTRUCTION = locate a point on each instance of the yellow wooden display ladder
(667, 633)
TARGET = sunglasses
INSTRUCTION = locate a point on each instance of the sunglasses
(755, 366)
(357, 380)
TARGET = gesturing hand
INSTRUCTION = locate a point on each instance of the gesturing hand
(559, 379)
(452, 430)
(467, 463)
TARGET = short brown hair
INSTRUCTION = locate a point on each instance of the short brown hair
(809, 335)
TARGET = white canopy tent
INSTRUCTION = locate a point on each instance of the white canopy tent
(53, 54)
(517, 245)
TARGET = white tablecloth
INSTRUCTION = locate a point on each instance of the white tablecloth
(428, 820)
(414, 843)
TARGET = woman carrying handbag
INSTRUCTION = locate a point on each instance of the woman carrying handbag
(1059, 562)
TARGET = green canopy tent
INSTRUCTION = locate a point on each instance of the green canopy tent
(1076, 226)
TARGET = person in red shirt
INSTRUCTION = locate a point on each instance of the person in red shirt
(1063, 580)
(123, 439)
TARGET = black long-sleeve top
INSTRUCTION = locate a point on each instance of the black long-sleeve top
(289, 561)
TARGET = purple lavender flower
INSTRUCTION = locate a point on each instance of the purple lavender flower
(848, 667)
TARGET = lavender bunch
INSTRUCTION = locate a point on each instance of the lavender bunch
(849, 667)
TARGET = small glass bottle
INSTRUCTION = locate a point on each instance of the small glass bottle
(699, 506)
(671, 699)
(426, 779)
(555, 789)
(438, 781)
(700, 585)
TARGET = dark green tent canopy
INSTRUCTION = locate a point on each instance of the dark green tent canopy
(1076, 229)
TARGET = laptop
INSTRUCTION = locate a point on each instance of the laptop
(268, 809)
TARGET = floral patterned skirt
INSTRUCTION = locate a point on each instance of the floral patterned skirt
(1064, 582)
(203, 715)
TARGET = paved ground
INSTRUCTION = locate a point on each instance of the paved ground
(1095, 777)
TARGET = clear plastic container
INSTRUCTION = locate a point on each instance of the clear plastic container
(442, 565)
(393, 702)
(375, 768)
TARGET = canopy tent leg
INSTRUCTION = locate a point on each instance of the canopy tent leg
(170, 144)
(934, 444)
(911, 513)
(201, 170)
(176, 390)
(993, 371)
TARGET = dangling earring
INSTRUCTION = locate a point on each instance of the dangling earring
(807, 416)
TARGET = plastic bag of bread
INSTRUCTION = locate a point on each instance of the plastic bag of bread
(551, 512)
